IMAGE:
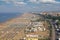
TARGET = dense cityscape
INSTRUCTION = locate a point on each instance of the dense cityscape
(32, 26)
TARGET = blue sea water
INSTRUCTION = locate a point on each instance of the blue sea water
(7, 16)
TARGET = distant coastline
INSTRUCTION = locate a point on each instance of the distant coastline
(7, 16)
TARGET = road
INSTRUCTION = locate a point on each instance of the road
(53, 34)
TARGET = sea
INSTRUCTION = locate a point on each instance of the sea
(7, 16)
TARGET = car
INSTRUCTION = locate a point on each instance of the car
(58, 30)
(56, 26)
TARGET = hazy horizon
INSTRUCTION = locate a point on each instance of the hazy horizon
(7, 6)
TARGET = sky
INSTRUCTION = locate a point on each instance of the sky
(13, 6)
